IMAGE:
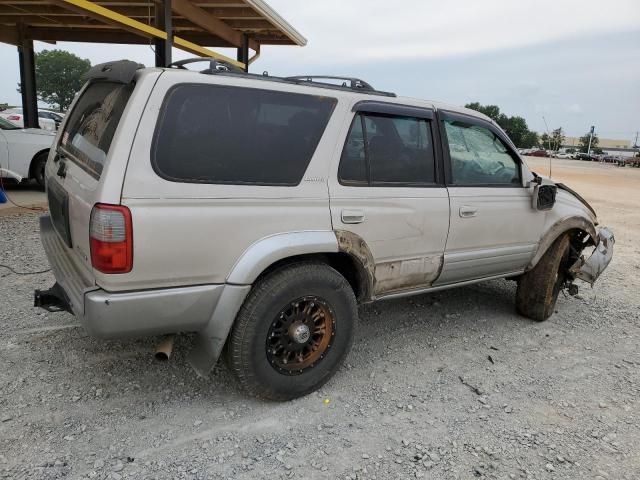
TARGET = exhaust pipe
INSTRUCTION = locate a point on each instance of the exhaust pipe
(164, 349)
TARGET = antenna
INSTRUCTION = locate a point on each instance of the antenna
(548, 142)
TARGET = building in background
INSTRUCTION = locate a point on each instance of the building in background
(609, 146)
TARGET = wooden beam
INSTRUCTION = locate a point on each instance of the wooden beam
(9, 35)
(207, 21)
(98, 12)
(111, 17)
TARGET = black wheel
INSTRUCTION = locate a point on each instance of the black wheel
(538, 289)
(293, 331)
(37, 168)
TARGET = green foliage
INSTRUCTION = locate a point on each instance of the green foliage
(557, 139)
(545, 141)
(515, 127)
(584, 143)
(59, 77)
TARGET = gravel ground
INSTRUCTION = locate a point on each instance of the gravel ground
(442, 386)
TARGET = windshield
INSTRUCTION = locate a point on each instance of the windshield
(7, 125)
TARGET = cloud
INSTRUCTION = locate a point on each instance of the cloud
(378, 30)
(574, 108)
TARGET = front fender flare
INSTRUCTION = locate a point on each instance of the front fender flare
(268, 250)
(561, 226)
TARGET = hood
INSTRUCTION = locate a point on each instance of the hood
(562, 186)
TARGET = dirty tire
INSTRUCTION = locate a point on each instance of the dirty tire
(538, 289)
(247, 353)
(37, 169)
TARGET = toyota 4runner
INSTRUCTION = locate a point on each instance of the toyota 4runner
(259, 211)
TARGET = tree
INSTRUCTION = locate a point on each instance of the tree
(545, 140)
(557, 139)
(584, 143)
(515, 127)
(59, 77)
(491, 111)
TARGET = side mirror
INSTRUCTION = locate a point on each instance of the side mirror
(544, 197)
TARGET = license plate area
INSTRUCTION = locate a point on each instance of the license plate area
(59, 210)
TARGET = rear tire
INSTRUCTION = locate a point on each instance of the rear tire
(538, 289)
(37, 169)
(293, 331)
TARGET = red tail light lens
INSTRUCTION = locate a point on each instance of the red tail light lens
(111, 238)
(13, 117)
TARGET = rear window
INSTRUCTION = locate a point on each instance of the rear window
(92, 123)
(232, 135)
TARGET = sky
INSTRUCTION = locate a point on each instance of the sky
(573, 63)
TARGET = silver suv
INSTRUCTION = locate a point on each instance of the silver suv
(259, 211)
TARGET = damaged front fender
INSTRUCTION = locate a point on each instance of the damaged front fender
(590, 269)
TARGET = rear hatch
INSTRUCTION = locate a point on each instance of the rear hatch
(77, 176)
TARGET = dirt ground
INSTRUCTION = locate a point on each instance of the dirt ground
(449, 385)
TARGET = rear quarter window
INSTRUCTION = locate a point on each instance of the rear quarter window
(232, 135)
(92, 123)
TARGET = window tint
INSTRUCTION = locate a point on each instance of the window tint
(478, 156)
(219, 134)
(92, 123)
(390, 150)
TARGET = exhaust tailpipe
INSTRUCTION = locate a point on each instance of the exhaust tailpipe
(164, 349)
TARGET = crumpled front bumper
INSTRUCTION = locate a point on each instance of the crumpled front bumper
(590, 269)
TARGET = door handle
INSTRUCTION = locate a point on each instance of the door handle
(467, 211)
(352, 216)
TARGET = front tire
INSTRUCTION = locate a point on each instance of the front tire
(538, 289)
(293, 331)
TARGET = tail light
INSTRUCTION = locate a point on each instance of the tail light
(111, 238)
(13, 117)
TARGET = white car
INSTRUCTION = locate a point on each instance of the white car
(564, 155)
(47, 119)
(24, 151)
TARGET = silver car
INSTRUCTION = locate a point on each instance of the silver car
(259, 211)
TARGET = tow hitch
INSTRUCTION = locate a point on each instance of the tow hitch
(52, 300)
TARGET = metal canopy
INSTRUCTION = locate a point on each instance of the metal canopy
(190, 25)
(212, 23)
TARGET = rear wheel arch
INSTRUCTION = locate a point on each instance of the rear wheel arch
(344, 252)
(345, 264)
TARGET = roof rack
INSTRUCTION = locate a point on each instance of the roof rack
(219, 67)
(353, 83)
(214, 65)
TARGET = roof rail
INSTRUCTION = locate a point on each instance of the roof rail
(351, 83)
(219, 67)
(214, 65)
(354, 83)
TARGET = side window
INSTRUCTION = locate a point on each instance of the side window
(478, 156)
(242, 136)
(388, 150)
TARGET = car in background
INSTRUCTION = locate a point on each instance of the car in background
(587, 156)
(48, 119)
(564, 155)
(24, 151)
(538, 153)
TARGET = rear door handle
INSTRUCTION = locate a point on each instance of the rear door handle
(352, 216)
(467, 211)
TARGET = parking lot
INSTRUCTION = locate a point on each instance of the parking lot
(447, 385)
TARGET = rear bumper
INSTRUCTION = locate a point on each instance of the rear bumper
(133, 314)
(590, 269)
